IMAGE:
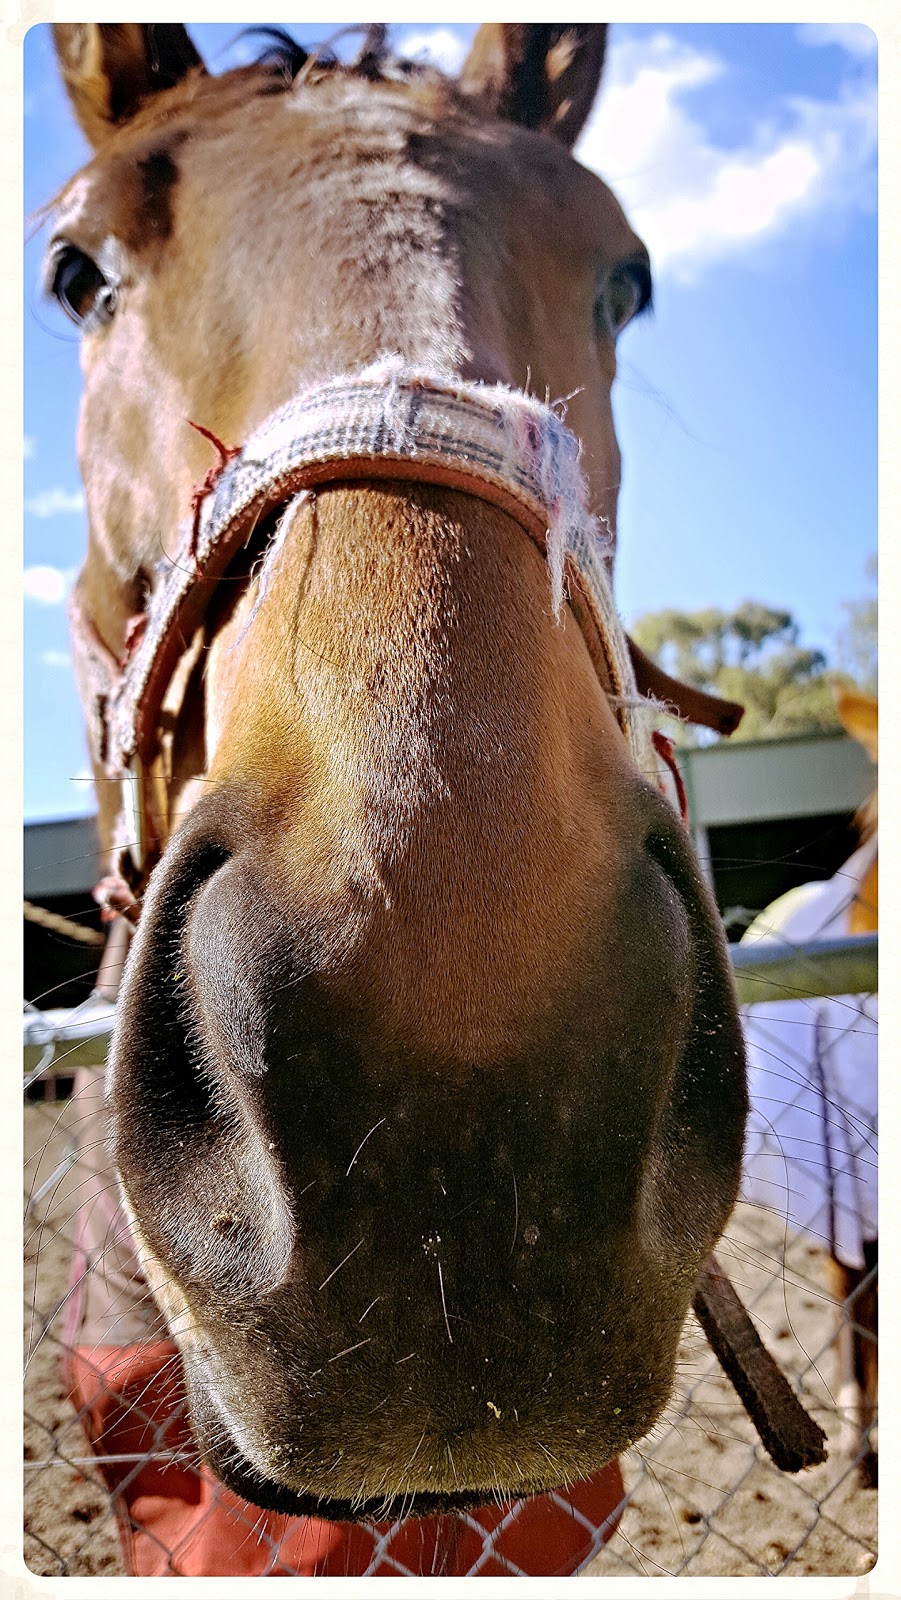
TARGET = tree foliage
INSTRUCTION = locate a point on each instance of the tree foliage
(752, 654)
(857, 643)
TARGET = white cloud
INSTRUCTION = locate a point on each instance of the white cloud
(438, 45)
(47, 585)
(29, 447)
(854, 37)
(55, 502)
(245, 50)
(694, 202)
(55, 658)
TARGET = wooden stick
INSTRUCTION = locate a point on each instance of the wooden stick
(790, 1436)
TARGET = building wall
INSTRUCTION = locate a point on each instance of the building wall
(770, 814)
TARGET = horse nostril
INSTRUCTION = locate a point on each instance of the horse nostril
(190, 877)
(191, 1149)
(667, 845)
(227, 985)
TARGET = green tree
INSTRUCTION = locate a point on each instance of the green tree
(857, 641)
(752, 654)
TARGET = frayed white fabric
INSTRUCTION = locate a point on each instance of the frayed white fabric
(388, 420)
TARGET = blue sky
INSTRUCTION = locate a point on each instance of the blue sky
(746, 405)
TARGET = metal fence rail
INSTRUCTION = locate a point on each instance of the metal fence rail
(777, 970)
(701, 1497)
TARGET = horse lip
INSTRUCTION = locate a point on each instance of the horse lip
(243, 1479)
(238, 1473)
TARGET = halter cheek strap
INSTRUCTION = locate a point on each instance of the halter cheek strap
(385, 422)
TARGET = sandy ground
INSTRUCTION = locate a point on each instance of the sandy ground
(70, 1528)
(703, 1496)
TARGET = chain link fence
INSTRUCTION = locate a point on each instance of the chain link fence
(698, 1496)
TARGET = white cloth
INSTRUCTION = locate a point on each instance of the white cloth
(811, 1146)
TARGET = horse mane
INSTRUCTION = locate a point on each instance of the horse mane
(282, 65)
(374, 60)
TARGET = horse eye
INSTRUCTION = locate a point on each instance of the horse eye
(626, 293)
(81, 288)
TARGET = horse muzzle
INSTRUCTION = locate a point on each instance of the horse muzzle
(420, 1260)
(392, 1274)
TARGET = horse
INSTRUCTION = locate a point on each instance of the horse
(812, 1132)
(427, 1091)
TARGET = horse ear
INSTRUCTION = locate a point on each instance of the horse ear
(109, 68)
(542, 75)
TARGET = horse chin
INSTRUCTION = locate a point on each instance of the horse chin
(237, 1473)
(270, 1468)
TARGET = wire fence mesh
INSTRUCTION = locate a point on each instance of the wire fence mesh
(698, 1496)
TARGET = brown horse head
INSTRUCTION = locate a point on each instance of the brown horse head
(428, 1087)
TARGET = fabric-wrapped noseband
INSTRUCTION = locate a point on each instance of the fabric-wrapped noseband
(386, 422)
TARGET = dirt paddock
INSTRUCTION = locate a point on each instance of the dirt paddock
(703, 1498)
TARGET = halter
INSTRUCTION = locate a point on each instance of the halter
(388, 422)
(385, 422)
